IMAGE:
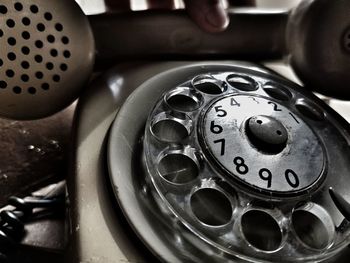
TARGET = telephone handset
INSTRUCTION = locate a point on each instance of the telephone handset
(315, 36)
(49, 49)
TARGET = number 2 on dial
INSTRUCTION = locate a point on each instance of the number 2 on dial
(275, 106)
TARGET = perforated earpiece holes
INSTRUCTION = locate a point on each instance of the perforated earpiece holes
(36, 48)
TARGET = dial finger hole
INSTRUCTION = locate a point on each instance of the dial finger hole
(211, 207)
(243, 83)
(167, 128)
(310, 110)
(208, 85)
(178, 167)
(313, 226)
(277, 92)
(261, 230)
(183, 99)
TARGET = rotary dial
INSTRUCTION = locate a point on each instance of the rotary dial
(227, 151)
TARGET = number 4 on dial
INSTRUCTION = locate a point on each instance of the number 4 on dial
(235, 103)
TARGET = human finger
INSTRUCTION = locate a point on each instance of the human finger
(208, 14)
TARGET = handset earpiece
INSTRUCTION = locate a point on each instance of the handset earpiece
(46, 56)
(318, 40)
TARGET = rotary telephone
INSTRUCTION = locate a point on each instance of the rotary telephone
(219, 161)
(238, 160)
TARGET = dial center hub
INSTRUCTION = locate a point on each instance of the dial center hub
(267, 134)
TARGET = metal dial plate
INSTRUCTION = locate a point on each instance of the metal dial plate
(225, 132)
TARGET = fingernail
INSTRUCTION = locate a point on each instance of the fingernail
(217, 17)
